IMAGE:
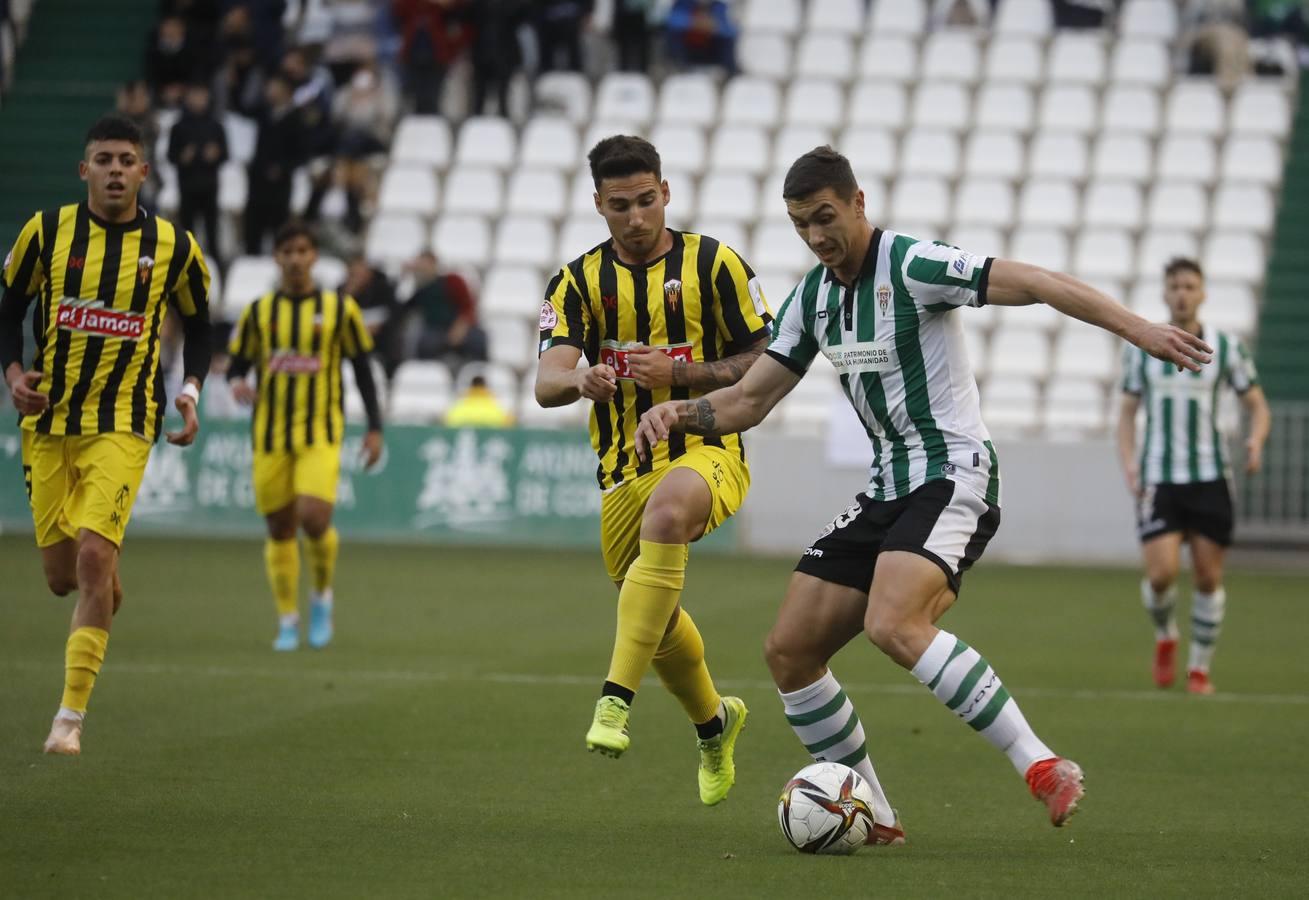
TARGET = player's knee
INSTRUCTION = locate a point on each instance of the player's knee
(790, 666)
(1206, 582)
(666, 523)
(1161, 579)
(890, 632)
(95, 557)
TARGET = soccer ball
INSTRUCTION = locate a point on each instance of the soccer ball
(826, 808)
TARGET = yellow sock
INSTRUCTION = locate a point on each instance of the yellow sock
(322, 558)
(650, 592)
(681, 667)
(282, 560)
(83, 655)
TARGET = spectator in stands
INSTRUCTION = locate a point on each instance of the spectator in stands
(1082, 13)
(265, 27)
(701, 33)
(1215, 40)
(171, 61)
(365, 112)
(631, 33)
(279, 151)
(496, 51)
(239, 84)
(478, 408)
(441, 316)
(202, 18)
(133, 101)
(559, 27)
(312, 90)
(433, 35)
(377, 300)
(197, 146)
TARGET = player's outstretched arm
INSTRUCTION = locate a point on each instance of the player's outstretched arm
(725, 411)
(559, 382)
(1019, 284)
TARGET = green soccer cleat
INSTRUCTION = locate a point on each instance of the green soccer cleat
(608, 734)
(717, 770)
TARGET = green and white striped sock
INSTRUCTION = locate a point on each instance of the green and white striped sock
(1207, 611)
(824, 720)
(965, 682)
(1160, 608)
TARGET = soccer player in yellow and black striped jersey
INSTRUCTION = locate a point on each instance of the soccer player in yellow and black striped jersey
(659, 315)
(103, 273)
(295, 338)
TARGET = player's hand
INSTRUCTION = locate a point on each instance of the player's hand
(1172, 344)
(190, 422)
(1254, 456)
(650, 368)
(23, 387)
(598, 383)
(654, 427)
(372, 449)
(243, 392)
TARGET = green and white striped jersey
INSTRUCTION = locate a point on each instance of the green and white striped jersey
(1182, 441)
(898, 347)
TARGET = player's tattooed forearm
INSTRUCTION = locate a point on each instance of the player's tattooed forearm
(710, 376)
(698, 417)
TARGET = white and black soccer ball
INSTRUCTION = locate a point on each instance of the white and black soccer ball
(826, 808)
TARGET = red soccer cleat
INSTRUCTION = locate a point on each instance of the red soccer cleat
(1058, 784)
(1197, 682)
(1164, 668)
(886, 835)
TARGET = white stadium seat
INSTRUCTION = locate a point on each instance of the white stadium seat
(395, 239)
(525, 241)
(689, 99)
(537, 192)
(462, 240)
(942, 105)
(841, 16)
(751, 101)
(951, 56)
(871, 150)
(241, 136)
(1028, 18)
(1177, 204)
(510, 342)
(420, 392)
(1084, 351)
(888, 57)
(1068, 107)
(1009, 404)
(1124, 157)
(1261, 109)
(880, 105)
(794, 141)
(1196, 106)
(1141, 62)
(1154, 19)
(1104, 253)
(877, 204)
(1114, 204)
(566, 93)
(729, 195)
(1132, 109)
(984, 202)
(764, 54)
(581, 195)
(330, 271)
(1187, 157)
(739, 148)
(1248, 206)
(1158, 247)
(994, 154)
(248, 279)
(899, 17)
(825, 56)
(474, 190)
(1230, 305)
(920, 200)
(549, 142)
(1005, 107)
(979, 239)
(487, 141)
(580, 234)
(782, 16)
(778, 243)
(1014, 59)
(233, 187)
(1252, 159)
(924, 152)
(733, 234)
(625, 97)
(422, 139)
(680, 146)
(1075, 403)
(1019, 351)
(513, 290)
(811, 101)
(1234, 256)
(408, 188)
(1077, 58)
(1058, 155)
(1049, 202)
(1147, 300)
(600, 129)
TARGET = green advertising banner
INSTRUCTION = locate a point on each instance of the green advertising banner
(517, 486)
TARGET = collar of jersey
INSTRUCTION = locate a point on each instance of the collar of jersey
(117, 226)
(868, 267)
(613, 254)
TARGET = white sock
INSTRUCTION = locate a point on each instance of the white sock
(288, 619)
(965, 682)
(1207, 611)
(1160, 608)
(323, 599)
(71, 714)
(825, 722)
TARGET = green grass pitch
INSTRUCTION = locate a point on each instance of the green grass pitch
(435, 750)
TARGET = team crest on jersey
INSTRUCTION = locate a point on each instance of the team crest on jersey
(883, 297)
(144, 266)
(673, 293)
(549, 319)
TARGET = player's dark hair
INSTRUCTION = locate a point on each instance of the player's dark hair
(822, 167)
(114, 127)
(623, 155)
(292, 229)
(1182, 264)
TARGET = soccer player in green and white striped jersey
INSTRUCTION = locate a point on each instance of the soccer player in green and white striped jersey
(1179, 476)
(883, 308)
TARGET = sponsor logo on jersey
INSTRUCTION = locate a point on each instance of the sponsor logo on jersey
(673, 293)
(609, 301)
(549, 318)
(812, 551)
(757, 297)
(288, 363)
(947, 468)
(91, 317)
(884, 295)
(961, 265)
(865, 356)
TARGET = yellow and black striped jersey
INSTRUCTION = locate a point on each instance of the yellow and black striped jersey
(699, 302)
(103, 290)
(296, 345)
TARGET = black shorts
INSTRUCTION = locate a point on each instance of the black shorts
(1202, 507)
(942, 521)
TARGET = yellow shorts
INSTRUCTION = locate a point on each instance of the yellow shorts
(82, 481)
(622, 507)
(281, 476)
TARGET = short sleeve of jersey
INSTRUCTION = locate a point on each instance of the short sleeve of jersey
(1133, 374)
(565, 316)
(245, 336)
(22, 269)
(940, 277)
(355, 339)
(740, 309)
(793, 345)
(191, 292)
(1241, 374)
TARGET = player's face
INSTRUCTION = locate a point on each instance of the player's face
(113, 172)
(296, 259)
(1183, 292)
(828, 225)
(633, 208)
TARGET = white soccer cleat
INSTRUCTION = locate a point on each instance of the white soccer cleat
(65, 737)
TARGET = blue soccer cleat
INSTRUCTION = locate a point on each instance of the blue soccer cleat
(320, 625)
(288, 637)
